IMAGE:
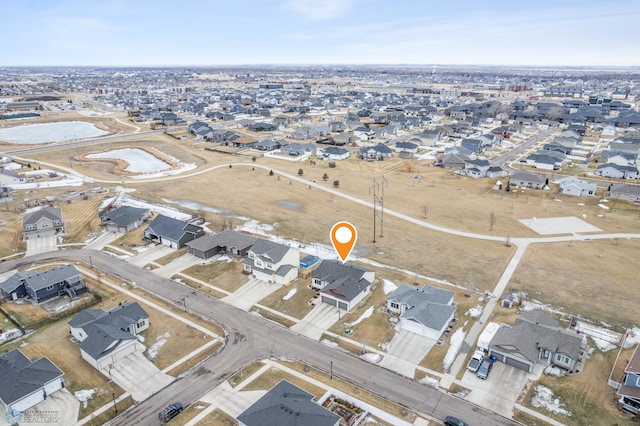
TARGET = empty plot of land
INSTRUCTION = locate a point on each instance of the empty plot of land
(558, 225)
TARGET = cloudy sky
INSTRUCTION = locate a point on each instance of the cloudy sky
(238, 32)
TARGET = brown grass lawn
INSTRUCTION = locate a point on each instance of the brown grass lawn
(218, 418)
(297, 305)
(130, 239)
(245, 372)
(172, 256)
(10, 230)
(270, 378)
(587, 394)
(272, 316)
(224, 275)
(199, 287)
(110, 414)
(597, 279)
(81, 217)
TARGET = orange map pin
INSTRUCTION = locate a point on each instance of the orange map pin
(343, 237)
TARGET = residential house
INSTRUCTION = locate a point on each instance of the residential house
(375, 153)
(295, 149)
(333, 153)
(41, 286)
(629, 390)
(616, 171)
(272, 262)
(27, 382)
(124, 219)
(524, 179)
(535, 338)
(620, 158)
(495, 171)
(452, 161)
(172, 232)
(364, 133)
(262, 127)
(548, 160)
(226, 242)
(477, 167)
(408, 147)
(474, 145)
(426, 311)
(625, 192)
(43, 223)
(579, 187)
(287, 405)
(106, 337)
(342, 284)
(268, 145)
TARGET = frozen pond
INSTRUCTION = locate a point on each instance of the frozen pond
(50, 132)
(138, 161)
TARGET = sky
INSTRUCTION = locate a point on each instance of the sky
(252, 32)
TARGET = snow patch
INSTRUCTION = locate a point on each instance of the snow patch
(84, 395)
(366, 314)
(153, 350)
(474, 312)
(632, 339)
(543, 398)
(329, 343)
(255, 227)
(371, 357)
(430, 382)
(554, 371)
(389, 286)
(9, 334)
(602, 344)
(290, 294)
(455, 343)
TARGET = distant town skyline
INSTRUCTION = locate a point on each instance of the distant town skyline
(310, 32)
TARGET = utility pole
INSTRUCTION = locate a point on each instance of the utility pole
(377, 189)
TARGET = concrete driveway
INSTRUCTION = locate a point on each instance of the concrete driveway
(60, 408)
(150, 254)
(102, 240)
(405, 352)
(178, 265)
(316, 322)
(499, 391)
(41, 245)
(138, 376)
(251, 293)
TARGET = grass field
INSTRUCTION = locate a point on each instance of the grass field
(586, 395)
(298, 305)
(224, 275)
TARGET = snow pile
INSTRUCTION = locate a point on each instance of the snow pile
(254, 227)
(366, 314)
(153, 350)
(371, 357)
(430, 382)
(554, 371)
(534, 305)
(602, 344)
(633, 338)
(9, 334)
(370, 420)
(475, 311)
(84, 395)
(290, 294)
(389, 286)
(455, 343)
(543, 398)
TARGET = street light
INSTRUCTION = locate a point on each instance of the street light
(113, 395)
(331, 370)
(184, 302)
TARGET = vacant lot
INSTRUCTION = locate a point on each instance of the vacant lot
(221, 274)
(586, 395)
(298, 305)
(597, 279)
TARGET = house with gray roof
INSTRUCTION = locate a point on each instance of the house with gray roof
(106, 337)
(535, 338)
(27, 382)
(43, 223)
(272, 262)
(625, 192)
(227, 242)
(629, 389)
(616, 171)
(376, 153)
(342, 284)
(333, 153)
(578, 187)
(124, 219)
(41, 286)
(524, 179)
(426, 311)
(287, 405)
(172, 232)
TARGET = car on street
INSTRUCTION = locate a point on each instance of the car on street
(170, 411)
(454, 421)
(484, 369)
(475, 361)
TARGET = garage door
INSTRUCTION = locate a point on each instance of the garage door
(517, 364)
(329, 301)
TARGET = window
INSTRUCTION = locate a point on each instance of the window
(49, 288)
(562, 359)
(45, 225)
(29, 227)
(270, 265)
(141, 324)
(394, 305)
(252, 255)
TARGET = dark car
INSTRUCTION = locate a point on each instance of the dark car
(454, 421)
(170, 411)
(484, 369)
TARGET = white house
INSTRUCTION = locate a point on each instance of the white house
(333, 153)
(106, 337)
(272, 262)
(425, 311)
(27, 382)
(574, 186)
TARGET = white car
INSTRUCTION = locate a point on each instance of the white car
(475, 361)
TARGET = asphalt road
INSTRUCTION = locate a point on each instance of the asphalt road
(252, 338)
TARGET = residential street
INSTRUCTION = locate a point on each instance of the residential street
(251, 338)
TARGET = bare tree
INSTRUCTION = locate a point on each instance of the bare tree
(425, 211)
(492, 220)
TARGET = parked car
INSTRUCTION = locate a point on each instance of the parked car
(454, 421)
(484, 369)
(475, 361)
(170, 411)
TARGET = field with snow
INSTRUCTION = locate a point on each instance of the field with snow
(50, 132)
